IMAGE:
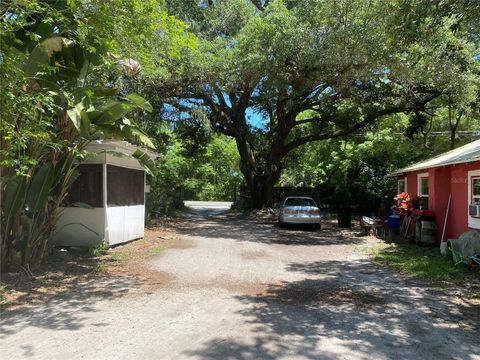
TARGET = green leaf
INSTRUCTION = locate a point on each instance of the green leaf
(144, 139)
(84, 125)
(145, 161)
(42, 53)
(75, 117)
(101, 91)
(14, 194)
(13, 200)
(140, 102)
(110, 112)
(40, 188)
(79, 117)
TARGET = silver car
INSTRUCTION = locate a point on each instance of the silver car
(299, 210)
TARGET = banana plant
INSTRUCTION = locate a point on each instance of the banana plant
(62, 68)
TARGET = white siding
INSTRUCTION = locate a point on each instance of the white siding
(124, 223)
(80, 227)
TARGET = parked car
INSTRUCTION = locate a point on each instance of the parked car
(299, 210)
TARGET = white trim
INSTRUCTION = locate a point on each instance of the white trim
(473, 223)
(464, 154)
(405, 187)
(407, 170)
(419, 184)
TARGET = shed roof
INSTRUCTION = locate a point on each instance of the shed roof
(466, 153)
(118, 146)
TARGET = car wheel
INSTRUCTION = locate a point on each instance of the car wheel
(316, 227)
(281, 225)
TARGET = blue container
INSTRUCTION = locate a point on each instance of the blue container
(394, 221)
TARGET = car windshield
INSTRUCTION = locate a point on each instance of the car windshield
(299, 202)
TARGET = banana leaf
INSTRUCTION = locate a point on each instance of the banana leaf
(12, 203)
(140, 102)
(40, 188)
(145, 160)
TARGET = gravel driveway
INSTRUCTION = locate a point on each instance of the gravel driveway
(244, 289)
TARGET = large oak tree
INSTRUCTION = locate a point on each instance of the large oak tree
(316, 69)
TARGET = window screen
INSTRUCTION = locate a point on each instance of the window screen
(124, 186)
(424, 186)
(401, 186)
(88, 186)
(476, 190)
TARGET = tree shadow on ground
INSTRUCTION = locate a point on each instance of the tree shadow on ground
(59, 293)
(351, 311)
(267, 231)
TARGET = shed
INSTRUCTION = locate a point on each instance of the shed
(456, 172)
(113, 186)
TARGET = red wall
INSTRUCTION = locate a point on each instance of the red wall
(412, 183)
(458, 214)
(443, 181)
(438, 193)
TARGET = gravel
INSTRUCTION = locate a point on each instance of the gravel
(241, 288)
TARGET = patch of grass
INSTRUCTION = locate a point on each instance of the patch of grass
(3, 295)
(98, 250)
(121, 255)
(156, 249)
(99, 268)
(424, 261)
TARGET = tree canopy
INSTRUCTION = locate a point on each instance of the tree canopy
(314, 70)
(65, 67)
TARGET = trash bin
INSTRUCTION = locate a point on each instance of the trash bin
(344, 217)
(394, 221)
(426, 231)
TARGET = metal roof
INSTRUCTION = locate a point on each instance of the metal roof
(118, 146)
(467, 153)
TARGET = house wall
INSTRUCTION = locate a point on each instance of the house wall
(438, 194)
(458, 214)
(412, 183)
(443, 181)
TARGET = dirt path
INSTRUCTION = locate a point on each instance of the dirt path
(245, 289)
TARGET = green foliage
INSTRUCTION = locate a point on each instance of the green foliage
(166, 184)
(424, 262)
(354, 171)
(315, 70)
(210, 173)
(98, 250)
(216, 174)
(61, 90)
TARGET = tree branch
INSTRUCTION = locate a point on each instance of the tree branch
(369, 119)
(220, 97)
(260, 5)
(307, 121)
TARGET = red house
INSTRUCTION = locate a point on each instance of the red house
(455, 173)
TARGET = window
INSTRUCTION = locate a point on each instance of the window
(88, 187)
(423, 191)
(125, 186)
(476, 190)
(402, 186)
(474, 199)
(422, 183)
(299, 202)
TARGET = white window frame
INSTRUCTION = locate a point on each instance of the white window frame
(473, 222)
(405, 185)
(474, 198)
(419, 184)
